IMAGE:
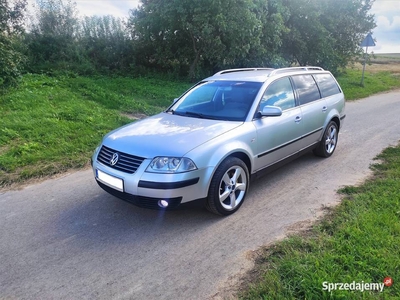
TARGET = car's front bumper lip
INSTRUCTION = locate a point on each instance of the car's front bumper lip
(167, 185)
(141, 201)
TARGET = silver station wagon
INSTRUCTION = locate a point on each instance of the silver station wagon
(224, 131)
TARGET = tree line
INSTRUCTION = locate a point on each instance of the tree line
(184, 37)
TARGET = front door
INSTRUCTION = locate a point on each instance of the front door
(278, 137)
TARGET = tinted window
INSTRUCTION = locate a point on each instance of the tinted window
(279, 93)
(306, 88)
(327, 85)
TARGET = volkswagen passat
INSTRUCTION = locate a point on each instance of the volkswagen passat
(223, 131)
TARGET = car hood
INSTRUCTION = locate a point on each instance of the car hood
(166, 135)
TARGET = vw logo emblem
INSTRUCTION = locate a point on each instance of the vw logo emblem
(114, 159)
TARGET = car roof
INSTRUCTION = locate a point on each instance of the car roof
(258, 74)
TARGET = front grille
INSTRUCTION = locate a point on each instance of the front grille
(126, 163)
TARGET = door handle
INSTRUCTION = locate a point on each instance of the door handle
(297, 119)
(324, 109)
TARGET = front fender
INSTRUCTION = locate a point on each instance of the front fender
(209, 155)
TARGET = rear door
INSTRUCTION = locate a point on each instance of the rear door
(313, 108)
(331, 92)
(278, 137)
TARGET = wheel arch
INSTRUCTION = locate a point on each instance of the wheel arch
(243, 157)
(238, 153)
(214, 203)
(337, 121)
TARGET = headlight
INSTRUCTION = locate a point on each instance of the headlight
(171, 165)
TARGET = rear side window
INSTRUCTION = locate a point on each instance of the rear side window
(327, 85)
(307, 89)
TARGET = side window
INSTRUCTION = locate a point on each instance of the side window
(279, 93)
(306, 88)
(327, 85)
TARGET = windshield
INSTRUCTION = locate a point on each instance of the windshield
(220, 100)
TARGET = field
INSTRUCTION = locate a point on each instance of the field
(386, 58)
(382, 71)
(389, 62)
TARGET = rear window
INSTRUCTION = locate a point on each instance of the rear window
(327, 85)
(306, 88)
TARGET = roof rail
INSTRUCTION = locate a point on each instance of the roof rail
(242, 70)
(293, 69)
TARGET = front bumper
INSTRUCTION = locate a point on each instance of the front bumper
(148, 189)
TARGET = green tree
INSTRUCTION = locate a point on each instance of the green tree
(52, 39)
(106, 42)
(347, 22)
(326, 33)
(273, 16)
(204, 35)
(11, 28)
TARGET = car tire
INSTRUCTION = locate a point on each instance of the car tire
(228, 187)
(329, 141)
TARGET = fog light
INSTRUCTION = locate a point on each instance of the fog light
(163, 203)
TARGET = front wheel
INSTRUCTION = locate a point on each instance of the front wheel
(228, 187)
(329, 141)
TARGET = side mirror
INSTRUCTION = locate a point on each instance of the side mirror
(271, 111)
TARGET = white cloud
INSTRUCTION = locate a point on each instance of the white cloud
(384, 24)
(117, 8)
(387, 31)
(386, 7)
(385, 48)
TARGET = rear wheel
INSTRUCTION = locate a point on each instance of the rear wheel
(329, 141)
(228, 187)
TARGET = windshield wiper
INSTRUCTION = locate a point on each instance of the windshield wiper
(194, 114)
(187, 113)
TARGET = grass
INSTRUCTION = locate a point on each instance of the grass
(374, 82)
(358, 241)
(49, 125)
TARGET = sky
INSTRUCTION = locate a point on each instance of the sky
(387, 18)
(117, 8)
(387, 32)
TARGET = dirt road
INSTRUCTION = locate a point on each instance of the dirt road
(65, 238)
